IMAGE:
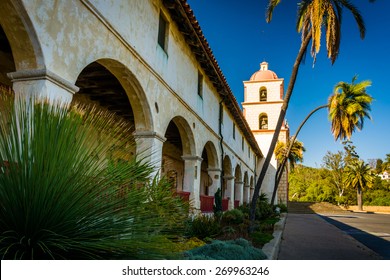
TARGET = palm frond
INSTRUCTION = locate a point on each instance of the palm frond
(270, 9)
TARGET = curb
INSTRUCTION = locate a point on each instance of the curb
(271, 249)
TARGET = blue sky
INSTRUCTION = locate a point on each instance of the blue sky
(241, 39)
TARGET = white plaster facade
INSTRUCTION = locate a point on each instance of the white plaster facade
(263, 99)
(52, 44)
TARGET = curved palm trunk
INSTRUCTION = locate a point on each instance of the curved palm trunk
(279, 124)
(279, 172)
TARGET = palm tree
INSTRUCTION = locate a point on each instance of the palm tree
(358, 176)
(295, 154)
(313, 15)
(347, 107)
(284, 152)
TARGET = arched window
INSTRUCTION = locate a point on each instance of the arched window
(263, 121)
(263, 94)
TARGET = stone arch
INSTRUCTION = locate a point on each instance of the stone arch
(186, 135)
(227, 166)
(263, 121)
(21, 35)
(263, 94)
(228, 181)
(238, 186)
(177, 150)
(208, 180)
(212, 154)
(246, 188)
(131, 101)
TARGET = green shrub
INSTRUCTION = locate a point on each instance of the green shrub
(71, 191)
(233, 217)
(264, 210)
(239, 249)
(260, 238)
(282, 207)
(244, 209)
(203, 226)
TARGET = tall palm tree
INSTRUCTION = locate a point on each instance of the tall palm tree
(347, 107)
(313, 16)
(358, 175)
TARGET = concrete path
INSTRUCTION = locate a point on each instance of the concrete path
(309, 237)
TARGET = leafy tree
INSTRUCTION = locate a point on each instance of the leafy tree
(69, 191)
(379, 166)
(334, 162)
(350, 153)
(313, 16)
(358, 176)
(386, 163)
(379, 194)
(372, 162)
(310, 184)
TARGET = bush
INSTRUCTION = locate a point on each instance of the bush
(70, 190)
(264, 210)
(189, 244)
(203, 227)
(282, 207)
(233, 217)
(260, 238)
(239, 249)
(244, 209)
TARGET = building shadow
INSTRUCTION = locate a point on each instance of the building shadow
(374, 242)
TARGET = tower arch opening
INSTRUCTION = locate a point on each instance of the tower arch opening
(263, 94)
(263, 121)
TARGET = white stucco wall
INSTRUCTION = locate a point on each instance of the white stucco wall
(122, 36)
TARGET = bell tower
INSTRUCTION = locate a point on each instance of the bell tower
(263, 99)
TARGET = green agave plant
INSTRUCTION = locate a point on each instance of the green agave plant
(70, 190)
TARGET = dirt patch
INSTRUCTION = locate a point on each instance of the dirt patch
(313, 207)
(377, 209)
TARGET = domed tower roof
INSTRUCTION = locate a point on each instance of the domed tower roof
(264, 73)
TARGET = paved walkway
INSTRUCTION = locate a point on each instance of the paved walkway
(309, 237)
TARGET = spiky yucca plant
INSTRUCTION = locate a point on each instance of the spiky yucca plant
(69, 190)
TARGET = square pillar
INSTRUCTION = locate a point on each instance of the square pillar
(246, 196)
(149, 147)
(228, 192)
(191, 180)
(239, 191)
